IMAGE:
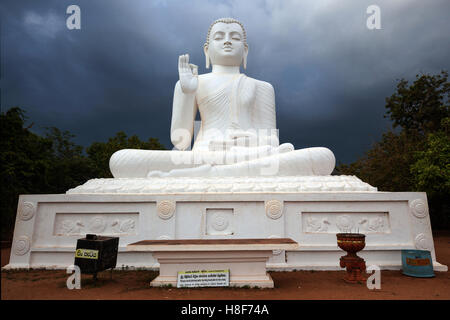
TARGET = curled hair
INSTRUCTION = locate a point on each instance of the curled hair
(226, 20)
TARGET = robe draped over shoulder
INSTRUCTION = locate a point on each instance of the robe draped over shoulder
(241, 103)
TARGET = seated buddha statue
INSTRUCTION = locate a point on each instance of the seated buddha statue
(237, 136)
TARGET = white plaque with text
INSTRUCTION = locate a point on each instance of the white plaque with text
(203, 278)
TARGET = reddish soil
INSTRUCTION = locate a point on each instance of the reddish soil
(323, 285)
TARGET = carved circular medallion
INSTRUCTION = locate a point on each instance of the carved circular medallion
(344, 223)
(22, 245)
(220, 222)
(97, 224)
(419, 208)
(422, 242)
(274, 209)
(27, 211)
(166, 209)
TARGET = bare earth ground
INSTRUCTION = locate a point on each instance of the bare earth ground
(299, 285)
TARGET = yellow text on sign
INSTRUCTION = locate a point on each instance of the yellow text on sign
(418, 262)
(86, 254)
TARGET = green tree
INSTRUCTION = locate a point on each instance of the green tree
(431, 169)
(100, 152)
(386, 164)
(32, 164)
(70, 167)
(422, 105)
(431, 173)
(416, 157)
(24, 165)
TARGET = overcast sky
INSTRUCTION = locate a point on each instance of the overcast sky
(331, 74)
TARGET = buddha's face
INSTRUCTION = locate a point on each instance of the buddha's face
(226, 44)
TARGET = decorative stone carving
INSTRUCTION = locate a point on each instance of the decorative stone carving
(274, 209)
(317, 225)
(97, 225)
(21, 246)
(71, 227)
(27, 211)
(220, 222)
(127, 225)
(422, 242)
(419, 208)
(124, 226)
(400, 226)
(166, 209)
(375, 224)
(164, 237)
(68, 224)
(344, 223)
(116, 226)
(329, 222)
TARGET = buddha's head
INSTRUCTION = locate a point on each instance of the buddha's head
(226, 43)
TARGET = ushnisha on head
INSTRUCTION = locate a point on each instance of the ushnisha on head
(226, 43)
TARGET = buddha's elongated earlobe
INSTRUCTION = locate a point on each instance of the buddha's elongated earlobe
(245, 57)
(207, 61)
(205, 50)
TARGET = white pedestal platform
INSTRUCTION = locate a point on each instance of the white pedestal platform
(244, 258)
(47, 226)
(246, 268)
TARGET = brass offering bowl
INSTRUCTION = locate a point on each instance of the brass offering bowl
(355, 266)
(351, 242)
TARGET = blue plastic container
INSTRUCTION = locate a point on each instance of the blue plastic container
(417, 263)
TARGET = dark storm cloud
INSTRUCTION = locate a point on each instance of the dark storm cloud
(331, 74)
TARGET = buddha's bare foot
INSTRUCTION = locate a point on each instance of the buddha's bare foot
(157, 174)
(285, 147)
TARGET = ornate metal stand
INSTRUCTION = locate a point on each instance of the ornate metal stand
(356, 266)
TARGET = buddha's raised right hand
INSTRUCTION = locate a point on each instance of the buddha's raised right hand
(188, 74)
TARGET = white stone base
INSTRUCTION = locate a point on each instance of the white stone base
(170, 185)
(48, 226)
(247, 268)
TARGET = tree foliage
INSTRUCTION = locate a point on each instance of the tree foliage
(100, 152)
(53, 163)
(416, 157)
(422, 105)
(22, 169)
(386, 164)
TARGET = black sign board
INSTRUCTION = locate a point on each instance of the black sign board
(96, 253)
